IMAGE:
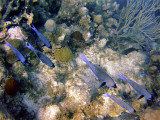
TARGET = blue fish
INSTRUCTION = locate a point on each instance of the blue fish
(41, 56)
(17, 53)
(143, 74)
(42, 37)
(101, 74)
(121, 103)
(140, 89)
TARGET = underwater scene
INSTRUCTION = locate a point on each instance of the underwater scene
(79, 59)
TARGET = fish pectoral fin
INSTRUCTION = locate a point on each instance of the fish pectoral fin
(140, 97)
(102, 84)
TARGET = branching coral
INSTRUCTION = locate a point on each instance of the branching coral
(3, 35)
(10, 8)
(9, 19)
(14, 5)
(138, 17)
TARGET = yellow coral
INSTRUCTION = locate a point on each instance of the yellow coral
(35, 1)
(29, 17)
(84, 21)
(63, 54)
(1, 8)
(151, 114)
(3, 35)
(115, 110)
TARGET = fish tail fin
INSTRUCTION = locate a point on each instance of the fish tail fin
(33, 27)
(123, 77)
(84, 58)
(106, 94)
(28, 45)
(7, 43)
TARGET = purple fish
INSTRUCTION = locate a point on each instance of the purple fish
(17, 53)
(140, 89)
(41, 56)
(121, 103)
(101, 74)
(42, 37)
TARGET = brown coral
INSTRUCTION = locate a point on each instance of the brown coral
(76, 41)
(11, 87)
(151, 114)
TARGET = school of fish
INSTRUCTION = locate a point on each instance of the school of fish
(41, 56)
(104, 77)
(100, 73)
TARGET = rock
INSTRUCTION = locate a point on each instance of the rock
(50, 25)
(98, 19)
(85, 22)
(16, 33)
(152, 70)
(2, 71)
(50, 112)
(151, 114)
(4, 115)
(83, 11)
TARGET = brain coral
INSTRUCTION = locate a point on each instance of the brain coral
(50, 25)
(63, 54)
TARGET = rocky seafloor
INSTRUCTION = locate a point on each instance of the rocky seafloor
(71, 90)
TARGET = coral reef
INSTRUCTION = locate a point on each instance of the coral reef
(63, 54)
(83, 11)
(2, 68)
(16, 33)
(14, 6)
(98, 19)
(48, 112)
(85, 21)
(76, 41)
(50, 25)
(138, 18)
(3, 35)
(151, 114)
(4, 115)
(29, 18)
(71, 90)
(15, 37)
(11, 87)
(70, 8)
(153, 70)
